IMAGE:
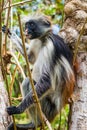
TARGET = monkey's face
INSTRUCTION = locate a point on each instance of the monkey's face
(37, 28)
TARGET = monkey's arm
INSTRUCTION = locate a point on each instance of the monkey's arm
(17, 42)
(41, 86)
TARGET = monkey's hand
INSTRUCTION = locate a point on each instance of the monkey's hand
(12, 110)
(17, 43)
(6, 30)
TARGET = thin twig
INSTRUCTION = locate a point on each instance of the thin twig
(5, 3)
(13, 77)
(17, 99)
(59, 128)
(18, 4)
(1, 60)
(6, 23)
(11, 17)
(2, 3)
(19, 66)
(29, 74)
(78, 42)
(0, 27)
(47, 122)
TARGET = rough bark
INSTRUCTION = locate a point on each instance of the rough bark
(76, 14)
(4, 118)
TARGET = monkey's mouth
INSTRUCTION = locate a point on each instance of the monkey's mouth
(28, 36)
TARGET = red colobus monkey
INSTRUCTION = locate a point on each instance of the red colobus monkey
(52, 74)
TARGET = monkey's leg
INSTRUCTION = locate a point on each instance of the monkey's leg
(25, 89)
(49, 108)
(30, 126)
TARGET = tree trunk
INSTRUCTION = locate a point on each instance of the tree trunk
(4, 118)
(76, 14)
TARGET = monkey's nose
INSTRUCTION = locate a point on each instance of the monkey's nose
(26, 32)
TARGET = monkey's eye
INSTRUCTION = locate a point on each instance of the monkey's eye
(48, 24)
(31, 24)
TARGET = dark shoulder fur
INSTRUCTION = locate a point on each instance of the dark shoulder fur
(60, 49)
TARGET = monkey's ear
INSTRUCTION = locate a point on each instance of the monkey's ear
(47, 20)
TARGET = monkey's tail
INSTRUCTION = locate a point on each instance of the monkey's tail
(22, 126)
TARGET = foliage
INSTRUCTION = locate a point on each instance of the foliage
(53, 8)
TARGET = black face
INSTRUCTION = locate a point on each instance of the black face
(36, 28)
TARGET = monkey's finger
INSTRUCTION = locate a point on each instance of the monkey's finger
(4, 29)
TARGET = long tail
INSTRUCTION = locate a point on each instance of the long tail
(22, 126)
